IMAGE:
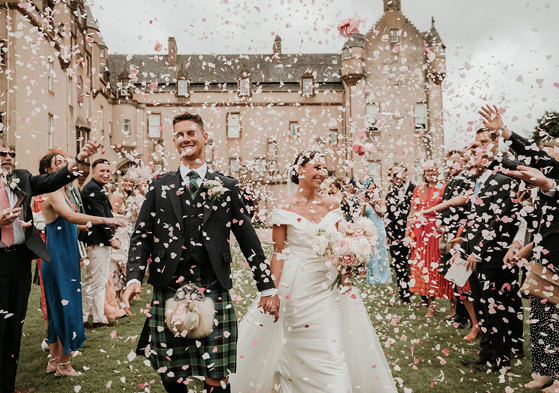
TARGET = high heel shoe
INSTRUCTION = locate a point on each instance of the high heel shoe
(50, 368)
(471, 338)
(66, 373)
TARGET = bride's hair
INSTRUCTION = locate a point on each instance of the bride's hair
(302, 159)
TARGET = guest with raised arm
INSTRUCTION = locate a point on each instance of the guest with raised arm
(20, 244)
(61, 276)
(489, 232)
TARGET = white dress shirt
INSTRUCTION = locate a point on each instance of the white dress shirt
(202, 171)
(19, 234)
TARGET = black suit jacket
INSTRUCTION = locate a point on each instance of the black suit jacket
(397, 213)
(159, 234)
(453, 216)
(547, 224)
(37, 185)
(492, 222)
(96, 203)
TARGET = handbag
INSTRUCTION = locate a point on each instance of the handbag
(541, 282)
(190, 313)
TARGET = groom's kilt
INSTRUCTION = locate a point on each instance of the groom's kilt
(175, 357)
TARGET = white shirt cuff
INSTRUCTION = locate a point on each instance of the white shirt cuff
(268, 292)
(551, 193)
(132, 281)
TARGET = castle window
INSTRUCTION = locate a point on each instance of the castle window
(182, 88)
(244, 87)
(154, 125)
(50, 125)
(126, 128)
(420, 116)
(102, 52)
(233, 125)
(371, 117)
(374, 170)
(308, 86)
(394, 35)
(346, 54)
(293, 129)
(234, 165)
(333, 137)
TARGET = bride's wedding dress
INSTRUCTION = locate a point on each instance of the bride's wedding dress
(323, 340)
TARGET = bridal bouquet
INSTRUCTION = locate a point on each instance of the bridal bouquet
(350, 245)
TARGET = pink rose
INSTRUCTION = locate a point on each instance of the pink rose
(349, 26)
(359, 148)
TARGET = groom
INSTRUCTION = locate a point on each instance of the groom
(183, 235)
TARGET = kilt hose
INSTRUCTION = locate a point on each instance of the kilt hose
(214, 356)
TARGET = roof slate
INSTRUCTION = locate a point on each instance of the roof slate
(202, 69)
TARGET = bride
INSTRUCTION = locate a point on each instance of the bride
(323, 340)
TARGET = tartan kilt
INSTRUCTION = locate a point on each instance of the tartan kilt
(214, 356)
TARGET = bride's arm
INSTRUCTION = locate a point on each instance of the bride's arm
(279, 235)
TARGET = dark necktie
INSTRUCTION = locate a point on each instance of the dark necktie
(193, 184)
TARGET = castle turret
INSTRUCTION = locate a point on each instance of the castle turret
(352, 59)
(435, 52)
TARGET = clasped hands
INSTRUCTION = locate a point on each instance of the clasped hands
(271, 305)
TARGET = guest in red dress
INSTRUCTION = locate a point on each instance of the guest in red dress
(425, 277)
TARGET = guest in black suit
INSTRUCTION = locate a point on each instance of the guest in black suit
(99, 240)
(20, 244)
(490, 230)
(182, 235)
(398, 204)
(544, 320)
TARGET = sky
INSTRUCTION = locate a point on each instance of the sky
(503, 52)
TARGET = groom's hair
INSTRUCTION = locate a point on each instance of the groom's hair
(189, 116)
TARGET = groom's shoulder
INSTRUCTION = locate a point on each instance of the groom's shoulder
(227, 180)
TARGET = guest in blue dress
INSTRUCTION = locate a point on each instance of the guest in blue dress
(61, 276)
(378, 268)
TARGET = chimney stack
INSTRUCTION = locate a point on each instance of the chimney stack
(392, 5)
(172, 45)
(276, 48)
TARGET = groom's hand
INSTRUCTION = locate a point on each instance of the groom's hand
(130, 293)
(271, 305)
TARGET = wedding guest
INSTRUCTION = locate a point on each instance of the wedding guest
(61, 275)
(451, 220)
(335, 190)
(20, 243)
(350, 201)
(124, 202)
(489, 232)
(544, 316)
(99, 240)
(378, 268)
(425, 276)
(398, 204)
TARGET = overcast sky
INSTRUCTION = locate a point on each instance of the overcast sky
(498, 51)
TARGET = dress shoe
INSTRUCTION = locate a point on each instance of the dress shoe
(103, 324)
(484, 368)
(473, 362)
(28, 390)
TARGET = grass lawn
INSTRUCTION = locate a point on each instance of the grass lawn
(423, 354)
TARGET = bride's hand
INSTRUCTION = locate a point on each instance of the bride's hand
(271, 305)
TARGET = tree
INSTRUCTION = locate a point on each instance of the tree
(548, 127)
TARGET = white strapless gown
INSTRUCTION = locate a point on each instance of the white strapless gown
(323, 341)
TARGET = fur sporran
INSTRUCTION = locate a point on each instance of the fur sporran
(190, 314)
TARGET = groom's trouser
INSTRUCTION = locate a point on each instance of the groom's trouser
(95, 283)
(400, 263)
(15, 284)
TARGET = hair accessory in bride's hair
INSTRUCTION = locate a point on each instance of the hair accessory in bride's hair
(190, 313)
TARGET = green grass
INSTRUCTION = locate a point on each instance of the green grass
(423, 354)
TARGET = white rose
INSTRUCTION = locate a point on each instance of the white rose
(319, 245)
(363, 249)
(343, 226)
